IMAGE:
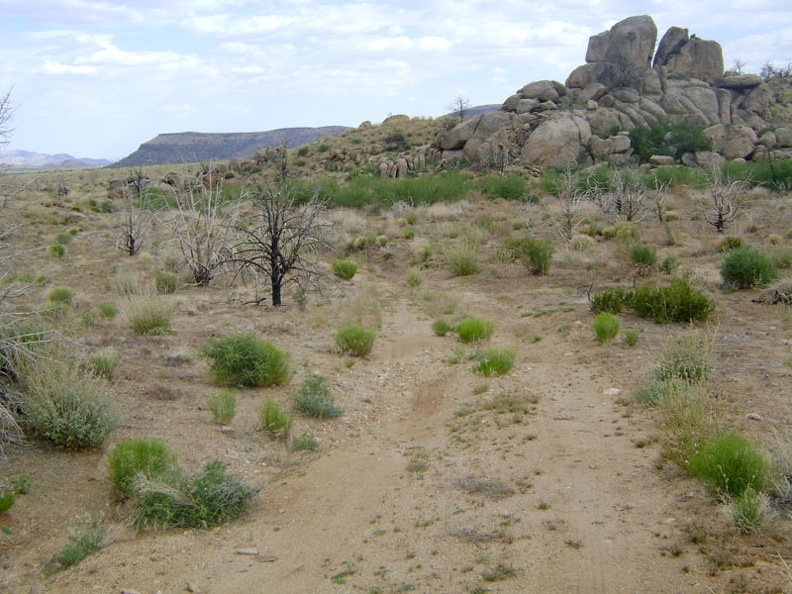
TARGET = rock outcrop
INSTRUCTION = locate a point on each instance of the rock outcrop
(624, 85)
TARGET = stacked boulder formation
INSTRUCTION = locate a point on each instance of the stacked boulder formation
(624, 85)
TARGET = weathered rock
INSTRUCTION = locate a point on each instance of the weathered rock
(557, 142)
(542, 90)
(741, 143)
(670, 44)
(660, 160)
(631, 42)
(593, 92)
(603, 122)
(486, 124)
(585, 75)
(738, 82)
(457, 137)
(698, 58)
(768, 139)
(783, 137)
(759, 99)
(526, 105)
(709, 159)
(601, 148)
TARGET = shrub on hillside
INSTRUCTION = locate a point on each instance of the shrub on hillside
(274, 420)
(643, 254)
(609, 300)
(222, 405)
(730, 464)
(473, 329)
(344, 269)
(137, 459)
(315, 398)
(247, 361)
(677, 302)
(496, 362)
(746, 267)
(355, 340)
(687, 358)
(606, 327)
(165, 282)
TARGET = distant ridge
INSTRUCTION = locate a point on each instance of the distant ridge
(199, 147)
(32, 161)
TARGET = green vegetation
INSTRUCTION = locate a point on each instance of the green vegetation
(473, 329)
(344, 269)
(149, 315)
(415, 277)
(441, 327)
(687, 358)
(644, 255)
(137, 460)
(606, 327)
(315, 398)
(274, 420)
(677, 302)
(61, 295)
(107, 309)
(222, 405)
(731, 465)
(745, 268)
(535, 254)
(7, 500)
(247, 361)
(668, 138)
(104, 362)
(355, 340)
(496, 362)
(84, 542)
(729, 243)
(165, 282)
(609, 300)
(463, 259)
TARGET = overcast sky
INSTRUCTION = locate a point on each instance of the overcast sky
(96, 78)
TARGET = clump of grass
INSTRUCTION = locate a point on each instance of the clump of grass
(84, 542)
(104, 362)
(247, 361)
(108, 309)
(657, 391)
(474, 329)
(729, 243)
(606, 327)
(496, 362)
(441, 327)
(126, 283)
(222, 405)
(535, 254)
(687, 420)
(687, 358)
(315, 398)
(731, 466)
(643, 254)
(149, 315)
(136, 459)
(72, 411)
(7, 500)
(749, 511)
(165, 282)
(463, 259)
(274, 420)
(344, 269)
(205, 500)
(630, 337)
(415, 277)
(355, 340)
(669, 265)
(56, 250)
(61, 295)
(745, 268)
(305, 443)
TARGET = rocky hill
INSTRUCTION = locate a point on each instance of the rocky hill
(623, 86)
(196, 147)
(31, 161)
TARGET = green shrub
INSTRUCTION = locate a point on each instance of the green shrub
(61, 295)
(149, 315)
(511, 186)
(746, 267)
(656, 391)
(643, 254)
(165, 282)
(137, 459)
(463, 259)
(669, 265)
(71, 411)
(415, 276)
(222, 405)
(677, 302)
(84, 542)
(63, 238)
(441, 327)
(244, 360)
(315, 398)
(687, 358)
(609, 300)
(305, 443)
(687, 420)
(108, 309)
(473, 329)
(749, 511)
(630, 336)
(496, 362)
(534, 254)
(729, 243)
(355, 340)
(126, 283)
(730, 464)
(7, 500)
(104, 362)
(606, 327)
(622, 231)
(56, 250)
(274, 420)
(344, 269)
(668, 138)
(205, 500)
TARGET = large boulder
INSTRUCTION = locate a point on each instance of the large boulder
(487, 125)
(558, 141)
(697, 58)
(629, 42)
(670, 44)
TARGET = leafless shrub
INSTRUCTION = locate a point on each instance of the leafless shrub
(725, 200)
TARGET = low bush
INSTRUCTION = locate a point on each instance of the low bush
(655, 392)
(222, 405)
(622, 231)
(729, 243)
(630, 337)
(104, 362)
(56, 250)
(669, 265)
(609, 300)
(344, 269)
(149, 315)
(274, 420)
(415, 277)
(535, 254)
(496, 362)
(668, 138)
(473, 329)
(108, 309)
(745, 268)
(687, 358)
(441, 327)
(509, 187)
(165, 282)
(355, 340)
(677, 302)
(70, 410)
(462, 259)
(247, 361)
(606, 327)
(643, 254)
(315, 398)
(305, 443)
(205, 500)
(731, 465)
(138, 459)
(687, 420)
(7, 500)
(749, 511)
(61, 295)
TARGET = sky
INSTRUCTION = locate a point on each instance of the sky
(94, 78)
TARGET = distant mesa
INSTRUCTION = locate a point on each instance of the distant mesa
(31, 161)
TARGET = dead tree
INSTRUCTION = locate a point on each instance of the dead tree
(724, 203)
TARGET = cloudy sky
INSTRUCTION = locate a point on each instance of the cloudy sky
(96, 78)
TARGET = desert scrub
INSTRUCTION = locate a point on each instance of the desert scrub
(731, 465)
(355, 340)
(496, 362)
(104, 362)
(61, 295)
(749, 511)
(462, 259)
(729, 243)
(56, 250)
(246, 361)
(108, 309)
(609, 300)
(687, 421)
(643, 254)
(315, 398)
(149, 315)
(344, 269)
(441, 327)
(687, 358)
(677, 302)
(139, 459)
(669, 265)
(745, 268)
(222, 405)
(415, 277)
(7, 500)
(606, 327)
(534, 254)
(84, 542)
(274, 420)
(630, 337)
(165, 282)
(205, 500)
(70, 410)
(473, 329)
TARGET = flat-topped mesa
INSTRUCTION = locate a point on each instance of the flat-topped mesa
(623, 86)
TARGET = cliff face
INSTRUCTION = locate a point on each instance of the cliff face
(622, 86)
(196, 147)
